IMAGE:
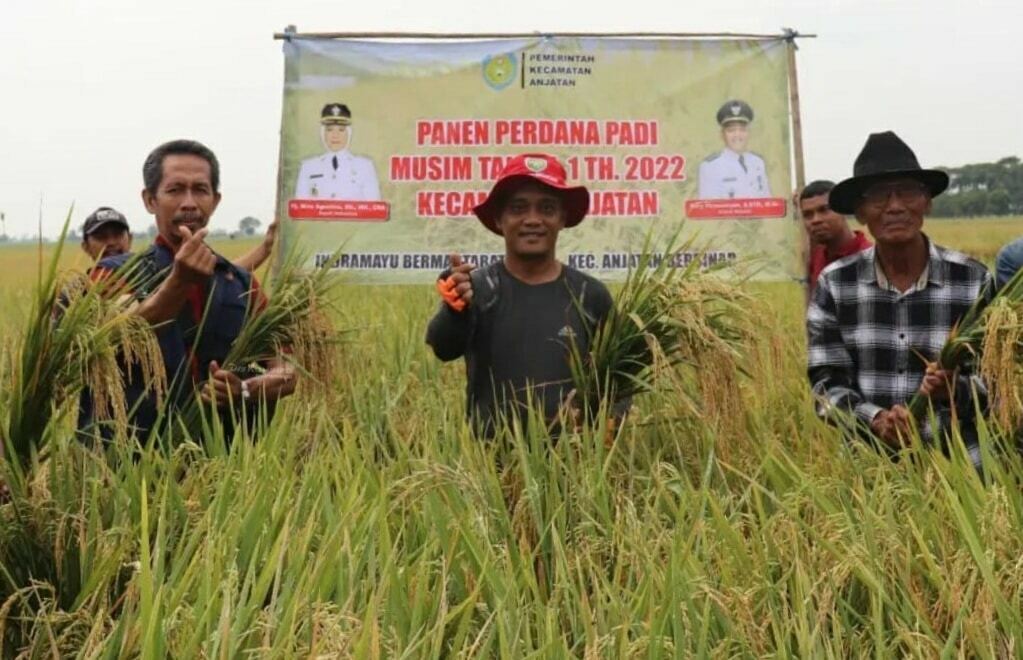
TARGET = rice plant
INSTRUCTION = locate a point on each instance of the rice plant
(988, 339)
(78, 333)
(664, 316)
(373, 524)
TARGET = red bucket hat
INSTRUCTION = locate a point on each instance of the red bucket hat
(541, 168)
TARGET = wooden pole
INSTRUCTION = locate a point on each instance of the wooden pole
(290, 34)
(797, 121)
(797, 148)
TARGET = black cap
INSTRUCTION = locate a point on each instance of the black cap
(735, 110)
(103, 216)
(336, 113)
(884, 157)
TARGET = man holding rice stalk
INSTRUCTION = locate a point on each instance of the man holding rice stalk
(196, 300)
(879, 319)
(514, 321)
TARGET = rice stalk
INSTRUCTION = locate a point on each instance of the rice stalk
(986, 326)
(665, 316)
(1000, 362)
(78, 334)
(296, 324)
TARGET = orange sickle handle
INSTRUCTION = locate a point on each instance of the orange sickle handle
(446, 289)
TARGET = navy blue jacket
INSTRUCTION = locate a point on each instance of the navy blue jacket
(226, 304)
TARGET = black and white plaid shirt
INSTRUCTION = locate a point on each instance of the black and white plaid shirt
(869, 343)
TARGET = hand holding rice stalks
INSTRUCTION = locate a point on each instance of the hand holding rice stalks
(296, 322)
(988, 337)
(662, 317)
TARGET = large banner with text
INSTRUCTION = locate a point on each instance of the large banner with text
(387, 147)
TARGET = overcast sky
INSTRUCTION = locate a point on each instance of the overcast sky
(90, 86)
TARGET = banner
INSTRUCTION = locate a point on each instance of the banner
(386, 148)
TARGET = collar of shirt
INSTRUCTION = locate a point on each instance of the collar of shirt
(160, 240)
(731, 155)
(934, 273)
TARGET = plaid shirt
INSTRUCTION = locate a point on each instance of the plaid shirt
(869, 342)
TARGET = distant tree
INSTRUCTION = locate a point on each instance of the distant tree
(248, 225)
(994, 188)
(997, 202)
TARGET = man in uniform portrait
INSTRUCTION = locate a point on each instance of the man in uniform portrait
(337, 173)
(734, 172)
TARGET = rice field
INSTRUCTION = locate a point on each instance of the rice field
(366, 522)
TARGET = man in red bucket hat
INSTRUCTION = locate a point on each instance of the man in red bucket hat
(514, 320)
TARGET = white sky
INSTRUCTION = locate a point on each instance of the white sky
(89, 87)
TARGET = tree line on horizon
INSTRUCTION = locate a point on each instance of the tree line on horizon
(980, 189)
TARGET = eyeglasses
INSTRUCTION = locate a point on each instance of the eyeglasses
(907, 192)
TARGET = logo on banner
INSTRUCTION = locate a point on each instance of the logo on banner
(499, 71)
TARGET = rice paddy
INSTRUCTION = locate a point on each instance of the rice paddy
(365, 521)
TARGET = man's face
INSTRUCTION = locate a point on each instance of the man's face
(894, 210)
(531, 220)
(822, 224)
(107, 241)
(184, 197)
(736, 135)
(335, 136)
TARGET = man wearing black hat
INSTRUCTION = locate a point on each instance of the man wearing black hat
(105, 233)
(514, 321)
(734, 172)
(878, 319)
(337, 174)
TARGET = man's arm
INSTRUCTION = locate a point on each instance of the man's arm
(705, 189)
(255, 257)
(225, 386)
(968, 390)
(449, 330)
(1009, 260)
(829, 365)
(193, 264)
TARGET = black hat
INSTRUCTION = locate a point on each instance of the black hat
(336, 113)
(884, 156)
(102, 217)
(735, 110)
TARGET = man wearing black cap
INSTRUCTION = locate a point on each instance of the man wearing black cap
(734, 172)
(878, 319)
(514, 321)
(337, 174)
(105, 233)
